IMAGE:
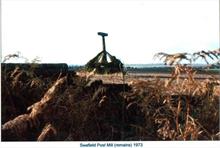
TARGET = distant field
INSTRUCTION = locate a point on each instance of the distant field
(156, 68)
(142, 76)
(199, 70)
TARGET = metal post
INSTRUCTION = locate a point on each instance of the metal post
(104, 58)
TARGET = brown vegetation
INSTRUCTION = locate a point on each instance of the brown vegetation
(75, 108)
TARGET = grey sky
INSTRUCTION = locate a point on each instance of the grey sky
(66, 31)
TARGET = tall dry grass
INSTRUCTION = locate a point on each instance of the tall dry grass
(75, 108)
(181, 109)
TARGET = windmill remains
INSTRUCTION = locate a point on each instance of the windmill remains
(104, 62)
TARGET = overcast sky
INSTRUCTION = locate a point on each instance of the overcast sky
(66, 31)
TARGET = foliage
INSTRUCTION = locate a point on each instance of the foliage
(71, 107)
(185, 116)
(173, 59)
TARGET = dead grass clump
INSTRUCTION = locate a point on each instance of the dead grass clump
(48, 133)
(17, 128)
(182, 114)
(40, 112)
(179, 109)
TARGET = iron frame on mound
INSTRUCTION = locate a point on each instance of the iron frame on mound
(100, 64)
